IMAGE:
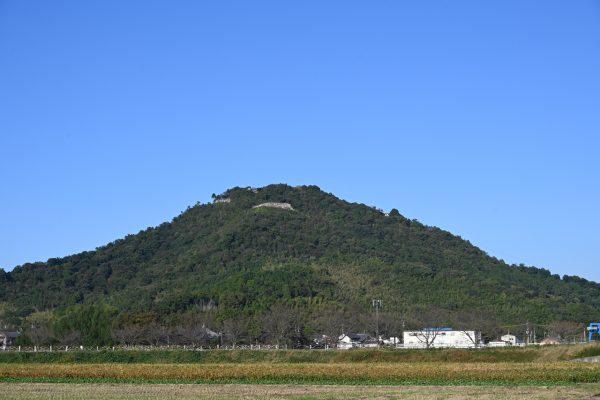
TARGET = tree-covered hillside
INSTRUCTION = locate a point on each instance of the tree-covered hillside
(326, 256)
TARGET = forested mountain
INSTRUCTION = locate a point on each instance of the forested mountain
(318, 256)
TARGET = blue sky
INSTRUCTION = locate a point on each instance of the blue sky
(481, 118)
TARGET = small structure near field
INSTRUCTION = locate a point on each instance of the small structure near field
(593, 331)
(549, 340)
(356, 340)
(511, 340)
(440, 338)
(6, 338)
(392, 341)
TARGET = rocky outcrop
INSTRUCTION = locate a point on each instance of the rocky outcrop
(222, 200)
(283, 206)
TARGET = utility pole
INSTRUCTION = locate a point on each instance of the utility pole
(527, 332)
(377, 306)
(402, 333)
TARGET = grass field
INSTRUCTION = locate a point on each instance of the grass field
(424, 373)
(42, 391)
(514, 373)
(514, 354)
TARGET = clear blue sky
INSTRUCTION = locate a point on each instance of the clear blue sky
(480, 117)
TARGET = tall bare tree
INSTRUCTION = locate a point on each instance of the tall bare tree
(475, 323)
(330, 323)
(427, 336)
(194, 329)
(157, 333)
(235, 328)
(565, 329)
(278, 324)
(129, 334)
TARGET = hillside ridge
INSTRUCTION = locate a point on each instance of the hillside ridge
(312, 252)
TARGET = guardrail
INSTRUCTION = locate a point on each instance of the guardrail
(79, 348)
(71, 348)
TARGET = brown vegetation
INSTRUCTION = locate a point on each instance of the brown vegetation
(43, 391)
(390, 373)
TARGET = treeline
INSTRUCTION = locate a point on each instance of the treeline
(279, 325)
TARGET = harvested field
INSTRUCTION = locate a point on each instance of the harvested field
(557, 373)
(44, 391)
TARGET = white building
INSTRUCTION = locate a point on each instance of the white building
(441, 337)
(354, 340)
(512, 340)
(392, 341)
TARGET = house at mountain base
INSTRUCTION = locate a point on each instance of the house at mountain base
(7, 338)
(356, 340)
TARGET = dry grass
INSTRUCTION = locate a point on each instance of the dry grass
(44, 391)
(175, 356)
(339, 373)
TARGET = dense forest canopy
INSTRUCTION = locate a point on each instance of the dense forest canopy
(318, 263)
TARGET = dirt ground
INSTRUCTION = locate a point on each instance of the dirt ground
(39, 391)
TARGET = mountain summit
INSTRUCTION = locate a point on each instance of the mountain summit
(299, 246)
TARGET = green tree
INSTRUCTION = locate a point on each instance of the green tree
(93, 322)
